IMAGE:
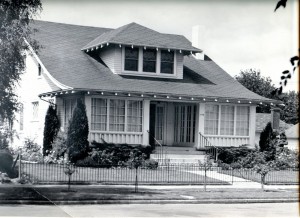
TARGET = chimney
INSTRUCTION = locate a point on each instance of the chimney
(275, 118)
(198, 40)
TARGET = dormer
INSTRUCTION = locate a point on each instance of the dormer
(139, 51)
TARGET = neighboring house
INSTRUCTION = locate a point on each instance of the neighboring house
(262, 119)
(135, 80)
(292, 135)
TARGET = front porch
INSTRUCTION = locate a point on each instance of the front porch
(144, 120)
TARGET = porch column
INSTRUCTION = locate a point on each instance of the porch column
(146, 121)
(252, 125)
(200, 124)
(88, 106)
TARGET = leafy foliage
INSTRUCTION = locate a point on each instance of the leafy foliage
(290, 112)
(31, 151)
(231, 155)
(258, 84)
(77, 135)
(6, 162)
(51, 129)
(15, 19)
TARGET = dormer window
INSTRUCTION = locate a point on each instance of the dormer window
(167, 62)
(149, 60)
(131, 59)
(144, 61)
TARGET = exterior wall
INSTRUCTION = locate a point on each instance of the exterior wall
(179, 65)
(31, 86)
(109, 57)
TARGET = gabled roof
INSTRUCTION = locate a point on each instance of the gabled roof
(138, 35)
(293, 131)
(262, 119)
(62, 56)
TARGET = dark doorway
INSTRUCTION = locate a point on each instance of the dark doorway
(152, 124)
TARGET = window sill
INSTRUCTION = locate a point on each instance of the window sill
(152, 75)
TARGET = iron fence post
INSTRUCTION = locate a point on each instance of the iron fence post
(20, 167)
(232, 176)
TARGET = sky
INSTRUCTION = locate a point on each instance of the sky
(237, 34)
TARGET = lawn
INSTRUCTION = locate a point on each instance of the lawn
(288, 176)
(49, 173)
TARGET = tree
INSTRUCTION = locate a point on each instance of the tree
(290, 112)
(265, 138)
(15, 19)
(262, 86)
(77, 136)
(51, 129)
(258, 84)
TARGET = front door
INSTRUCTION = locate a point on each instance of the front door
(185, 124)
(157, 123)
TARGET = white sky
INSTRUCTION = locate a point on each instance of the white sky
(238, 34)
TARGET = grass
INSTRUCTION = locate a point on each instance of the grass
(48, 173)
(81, 193)
(274, 177)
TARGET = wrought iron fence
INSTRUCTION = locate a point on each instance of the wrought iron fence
(171, 173)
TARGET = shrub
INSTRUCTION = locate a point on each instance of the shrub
(77, 136)
(59, 146)
(31, 151)
(3, 141)
(233, 154)
(252, 159)
(150, 164)
(265, 139)
(51, 129)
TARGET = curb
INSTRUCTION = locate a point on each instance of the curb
(145, 201)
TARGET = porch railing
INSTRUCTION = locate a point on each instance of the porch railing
(210, 149)
(161, 152)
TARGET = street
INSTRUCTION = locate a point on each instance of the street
(154, 210)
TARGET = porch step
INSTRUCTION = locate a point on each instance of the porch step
(178, 150)
(179, 158)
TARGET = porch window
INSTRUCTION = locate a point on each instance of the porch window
(149, 60)
(117, 115)
(242, 120)
(131, 59)
(99, 114)
(69, 105)
(134, 116)
(211, 119)
(167, 62)
(227, 120)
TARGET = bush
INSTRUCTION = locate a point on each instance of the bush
(150, 164)
(266, 137)
(6, 163)
(77, 136)
(112, 155)
(233, 154)
(50, 129)
(31, 151)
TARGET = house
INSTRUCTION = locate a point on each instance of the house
(292, 135)
(139, 87)
(262, 119)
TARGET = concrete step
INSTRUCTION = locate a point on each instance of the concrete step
(179, 158)
(178, 150)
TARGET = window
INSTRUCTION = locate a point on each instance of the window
(167, 62)
(221, 120)
(131, 59)
(35, 110)
(21, 117)
(69, 105)
(119, 115)
(211, 121)
(149, 60)
(39, 70)
(134, 116)
(99, 114)
(242, 121)
(227, 120)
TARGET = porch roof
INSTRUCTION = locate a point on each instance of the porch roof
(62, 56)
